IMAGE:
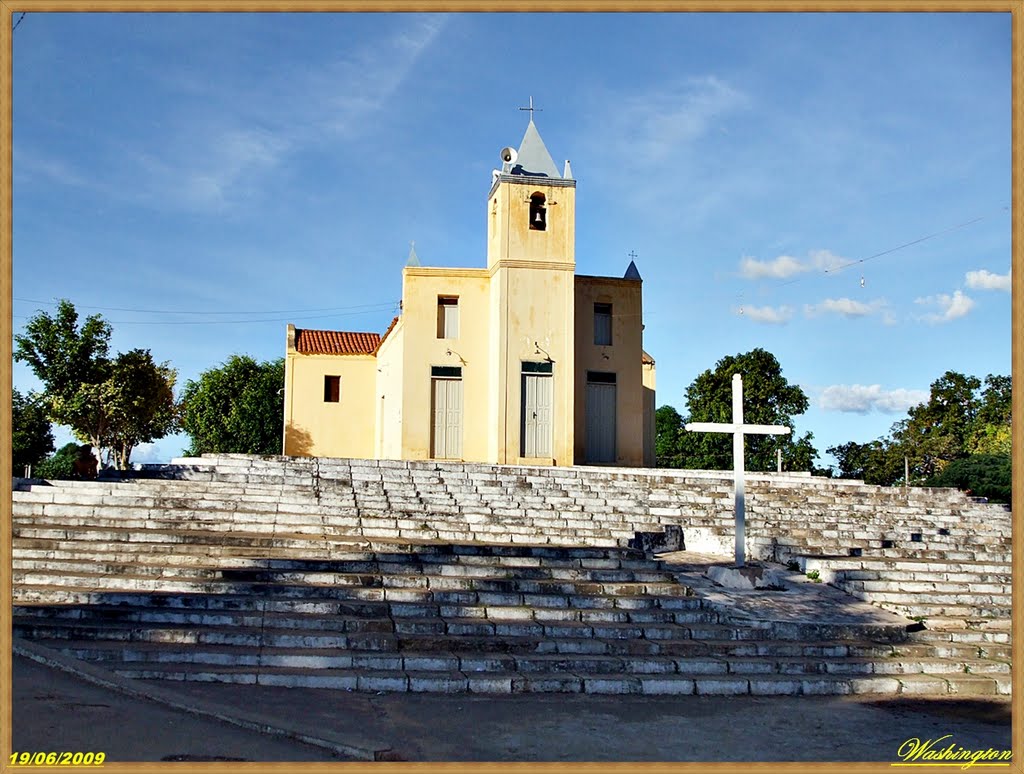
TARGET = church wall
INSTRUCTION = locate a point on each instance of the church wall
(622, 357)
(650, 415)
(497, 345)
(539, 315)
(389, 394)
(423, 349)
(315, 427)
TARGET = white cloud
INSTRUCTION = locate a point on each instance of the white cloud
(767, 314)
(782, 267)
(847, 307)
(683, 115)
(826, 260)
(862, 399)
(951, 306)
(786, 266)
(655, 127)
(986, 280)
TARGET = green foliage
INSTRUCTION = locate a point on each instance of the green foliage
(236, 408)
(60, 465)
(62, 355)
(768, 399)
(935, 432)
(134, 404)
(112, 404)
(990, 433)
(959, 420)
(31, 434)
(983, 475)
(876, 462)
(668, 437)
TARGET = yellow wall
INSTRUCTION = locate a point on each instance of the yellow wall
(390, 362)
(316, 428)
(423, 349)
(650, 426)
(622, 357)
(540, 304)
(510, 238)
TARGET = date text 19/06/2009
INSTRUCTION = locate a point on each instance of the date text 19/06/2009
(57, 758)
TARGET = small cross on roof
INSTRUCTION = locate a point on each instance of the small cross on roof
(532, 108)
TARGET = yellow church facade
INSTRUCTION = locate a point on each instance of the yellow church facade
(521, 362)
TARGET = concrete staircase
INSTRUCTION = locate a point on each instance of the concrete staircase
(413, 576)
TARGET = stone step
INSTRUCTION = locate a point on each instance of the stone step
(568, 682)
(470, 566)
(282, 538)
(339, 525)
(339, 575)
(940, 587)
(886, 564)
(532, 663)
(966, 635)
(368, 549)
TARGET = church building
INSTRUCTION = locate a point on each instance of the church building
(522, 362)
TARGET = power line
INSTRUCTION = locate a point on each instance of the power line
(899, 247)
(18, 22)
(339, 309)
(231, 322)
(242, 322)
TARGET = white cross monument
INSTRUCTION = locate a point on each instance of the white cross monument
(737, 428)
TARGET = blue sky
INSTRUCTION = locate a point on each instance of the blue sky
(227, 174)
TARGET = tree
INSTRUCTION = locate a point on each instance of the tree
(667, 440)
(134, 404)
(768, 399)
(984, 475)
(876, 462)
(31, 434)
(956, 423)
(112, 404)
(936, 432)
(63, 356)
(60, 465)
(990, 433)
(236, 408)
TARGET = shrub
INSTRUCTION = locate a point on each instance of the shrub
(982, 475)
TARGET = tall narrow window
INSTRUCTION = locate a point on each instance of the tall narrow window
(603, 324)
(332, 389)
(447, 317)
(538, 213)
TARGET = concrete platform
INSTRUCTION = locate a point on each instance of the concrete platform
(812, 609)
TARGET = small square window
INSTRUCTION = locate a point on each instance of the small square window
(603, 324)
(332, 389)
(447, 317)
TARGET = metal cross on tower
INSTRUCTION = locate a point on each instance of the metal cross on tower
(532, 108)
(737, 428)
(632, 254)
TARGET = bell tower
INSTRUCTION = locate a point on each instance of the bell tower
(531, 208)
(531, 260)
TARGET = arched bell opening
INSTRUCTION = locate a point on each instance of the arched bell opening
(538, 212)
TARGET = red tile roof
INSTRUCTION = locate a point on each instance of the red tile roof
(646, 359)
(336, 342)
